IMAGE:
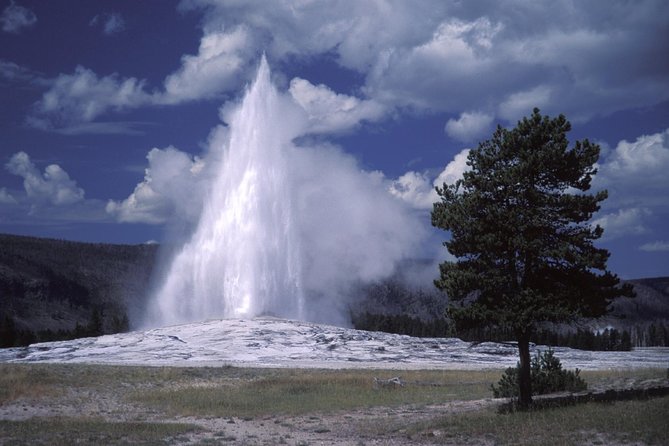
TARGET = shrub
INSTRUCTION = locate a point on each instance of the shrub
(547, 376)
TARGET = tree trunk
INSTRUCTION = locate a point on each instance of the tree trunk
(524, 377)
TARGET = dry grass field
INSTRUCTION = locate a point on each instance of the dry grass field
(63, 404)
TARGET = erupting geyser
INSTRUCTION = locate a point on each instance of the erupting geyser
(285, 229)
(243, 259)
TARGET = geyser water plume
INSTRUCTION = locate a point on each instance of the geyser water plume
(285, 230)
(243, 259)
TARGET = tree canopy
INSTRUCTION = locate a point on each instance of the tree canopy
(520, 231)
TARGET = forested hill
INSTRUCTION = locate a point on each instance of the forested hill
(52, 289)
(55, 289)
(652, 301)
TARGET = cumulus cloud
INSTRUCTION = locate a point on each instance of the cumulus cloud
(414, 188)
(110, 23)
(16, 17)
(83, 96)
(635, 175)
(419, 191)
(639, 164)
(74, 100)
(469, 126)
(519, 104)
(462, 57)
(48, 196)
(218, 67)
(624, 222)
(328, 111)
(172, 185)
(54, 186)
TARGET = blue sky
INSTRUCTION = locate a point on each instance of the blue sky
(109, 108)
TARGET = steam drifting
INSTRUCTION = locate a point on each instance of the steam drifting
(284, 230)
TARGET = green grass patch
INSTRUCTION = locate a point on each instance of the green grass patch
(67, 431)
(596, 423)
(304, 391)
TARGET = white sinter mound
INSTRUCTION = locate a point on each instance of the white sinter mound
(270, 342)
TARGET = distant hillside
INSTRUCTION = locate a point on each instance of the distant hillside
(50, 286)
(396, 307)
(55, 289)
(651, 303)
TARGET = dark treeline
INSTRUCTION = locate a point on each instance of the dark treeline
(611, 339)
(12, 336)
(392, 306)
(402, 324)
(655, 334)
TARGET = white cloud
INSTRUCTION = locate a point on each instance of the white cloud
(112, 23)
(16, 17)
(54, 186)
(454, 170)
(414, 188)
(658, 246)
(624, 222)
(521, 103)
(635, 176)
(328, 111)
(48, 196)
(218, 67)
(74, 100)
(469, 126)
(82, 96)
(644, 160)
(445, 71)
(172, 185)
(635, 173)
(417, 189)
(463, 56)
(467, 56)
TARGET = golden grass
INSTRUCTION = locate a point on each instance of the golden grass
(304, 391)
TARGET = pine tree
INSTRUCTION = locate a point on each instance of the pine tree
(520, 231)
